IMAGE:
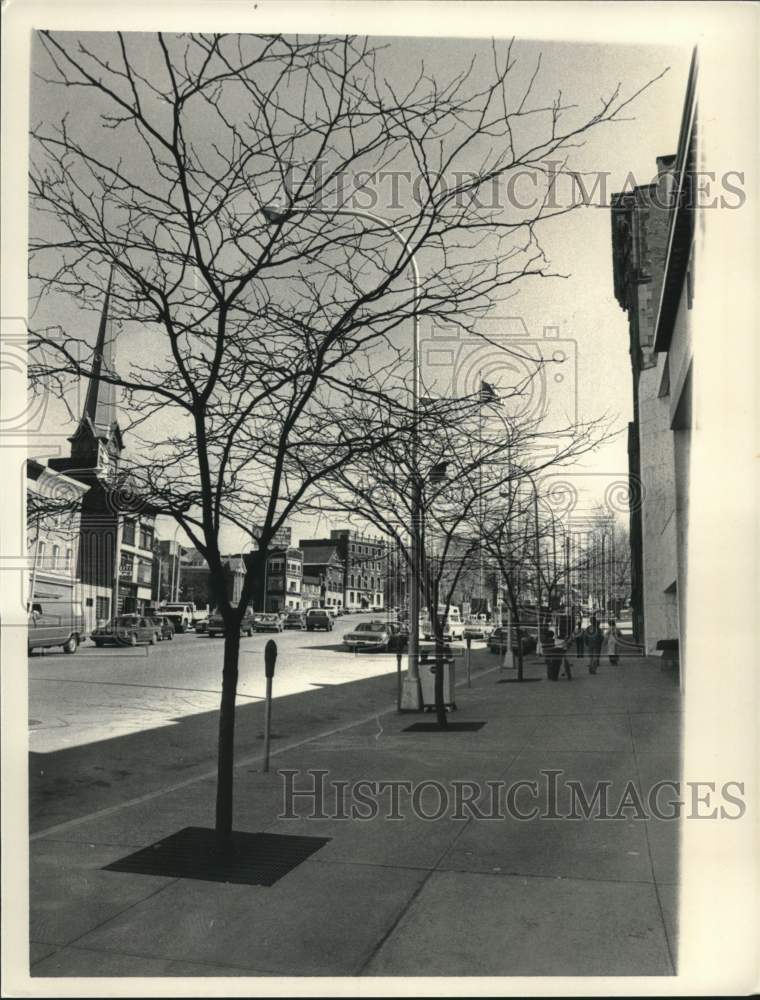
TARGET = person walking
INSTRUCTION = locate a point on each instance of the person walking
(552, 656)
(577, 636)
(613, 641)
(594, 640)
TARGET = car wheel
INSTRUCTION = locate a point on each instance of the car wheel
(133, 639)
(153, 639)
(170, 636)
(71, 645)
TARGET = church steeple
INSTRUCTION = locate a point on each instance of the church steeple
(97, 441)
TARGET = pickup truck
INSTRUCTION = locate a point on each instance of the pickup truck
(183, 616)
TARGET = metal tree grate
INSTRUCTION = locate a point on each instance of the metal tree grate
(451, 727)
(241, 858)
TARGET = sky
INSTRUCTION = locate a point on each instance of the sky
(579, 309)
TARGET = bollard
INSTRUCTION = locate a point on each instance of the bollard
(270, 658)
(468, 641)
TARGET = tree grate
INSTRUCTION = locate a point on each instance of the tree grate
(516, 680)
(451, 727)
(241, 858)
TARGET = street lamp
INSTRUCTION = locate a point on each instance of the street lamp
(411, 693)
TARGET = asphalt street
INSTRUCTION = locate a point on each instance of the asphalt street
(111, 724)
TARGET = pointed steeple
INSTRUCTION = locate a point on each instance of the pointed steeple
(100, 404)
(99, 423)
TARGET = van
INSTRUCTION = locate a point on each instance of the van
(55, 620)
(453, 626)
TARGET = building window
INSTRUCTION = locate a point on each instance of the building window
(101, 608)
(128, 535)
(41, 546)
(144, 571)
(56, 556)
(351, 596)
(126, 565)
(146, 538)
(69, 561)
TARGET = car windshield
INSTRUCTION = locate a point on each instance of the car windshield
(369, 627)
(126, 620)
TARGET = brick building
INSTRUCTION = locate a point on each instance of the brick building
(323, 563)
(364, 559)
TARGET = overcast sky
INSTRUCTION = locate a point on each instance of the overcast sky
(581, 306)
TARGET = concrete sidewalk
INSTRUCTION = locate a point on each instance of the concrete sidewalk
(406, 896)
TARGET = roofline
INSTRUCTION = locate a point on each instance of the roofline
(672, 281)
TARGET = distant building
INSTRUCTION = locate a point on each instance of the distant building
(365, 566)
(184, 573)
(284, 575)
(311, 588)
(323, 563)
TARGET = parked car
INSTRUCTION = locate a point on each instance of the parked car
(318, 618)
(294, 619)
(127, 630)
(267, 623)
(368, 635)
(476, 630)
(201, 627)
(497, 641)
(56, 622)
(166, 628)
(216, 623)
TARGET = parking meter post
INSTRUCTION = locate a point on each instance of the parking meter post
(270, 658)
(468, 640)
(399, 681)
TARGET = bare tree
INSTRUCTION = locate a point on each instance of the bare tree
(254, 382)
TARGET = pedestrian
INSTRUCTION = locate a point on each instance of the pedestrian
(613, 641)
(577, 635)
(594, 640)
(565, 646)
(552, 656)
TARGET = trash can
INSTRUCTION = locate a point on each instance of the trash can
(427, 679)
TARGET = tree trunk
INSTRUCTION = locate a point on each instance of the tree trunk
(226, 759)
(440, 707)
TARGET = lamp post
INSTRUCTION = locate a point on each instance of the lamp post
(411, 693)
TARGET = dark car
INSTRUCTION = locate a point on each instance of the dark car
(166, 628)
(319, 618)
(294, 620)
(497, 641)
(127, 630)
(216, 624)
(267, 623)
